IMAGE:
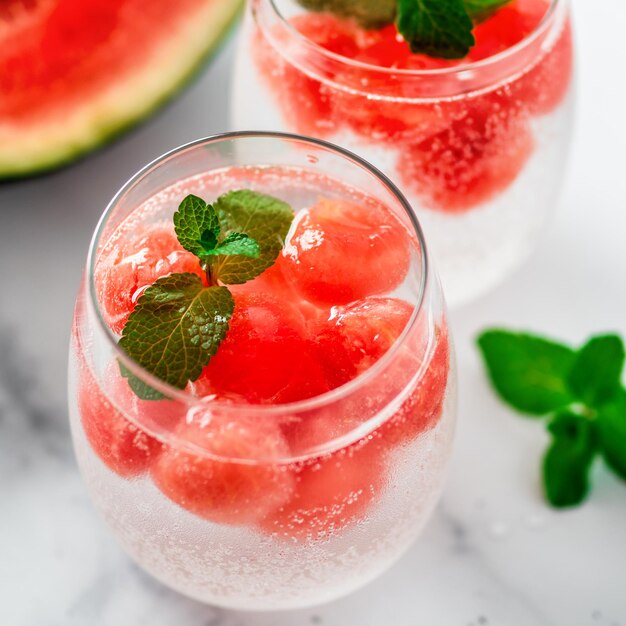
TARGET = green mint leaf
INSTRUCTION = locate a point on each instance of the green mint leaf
(567, 462)
(141, 389)
(439, 28)
(595, 377)
(208, 241)
(612, 433)
(177, 326)
(263, 218)
(197, 226)
(530, 373)
(481, 10)
(368, 13)
(237, 244)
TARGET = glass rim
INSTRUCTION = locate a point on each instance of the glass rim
(183, 395)
(472, 66)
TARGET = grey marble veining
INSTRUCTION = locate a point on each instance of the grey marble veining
(493, 555)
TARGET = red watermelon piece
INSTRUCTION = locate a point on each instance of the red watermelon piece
(507, 27)
(274, 282)
(474, 159)
(266, 356)
(230, 473)
(359, 334)
(121, 445)
(305, 101)
(547, 84)
(330, 493)
(134, 261)
(341, 251)
(355, 338)
(75, 73)
(424, 406)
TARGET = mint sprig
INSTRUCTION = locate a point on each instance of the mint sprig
(179, 322)
(581, 392)
(439, 28)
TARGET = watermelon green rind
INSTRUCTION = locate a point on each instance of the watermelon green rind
(34, 150)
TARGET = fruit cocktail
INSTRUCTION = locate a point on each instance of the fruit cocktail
(308, 452)
(477, 144)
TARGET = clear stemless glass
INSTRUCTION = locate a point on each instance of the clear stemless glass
(479, 147)
(313, 498)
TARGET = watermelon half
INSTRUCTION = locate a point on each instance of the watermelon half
(76, 73)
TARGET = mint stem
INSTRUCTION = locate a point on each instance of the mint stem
(211, 278)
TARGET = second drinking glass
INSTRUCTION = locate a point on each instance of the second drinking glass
(478, 146)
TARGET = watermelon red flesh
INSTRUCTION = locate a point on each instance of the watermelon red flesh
(75, 72)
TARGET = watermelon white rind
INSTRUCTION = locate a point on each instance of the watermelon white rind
(48, 142)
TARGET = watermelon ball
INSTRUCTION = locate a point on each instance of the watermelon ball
(272, 282)
(355, 336)
(391, 120)
(266, 356)
(121, 445)
(507, 27)
(546, 85)
(386, 48)
(275, 283)
(423, 409)
(359, 335)
(305, 102)
(350, 341)
(341, 251)
(388, 119)
(230, 473)
(542, 88)
(474, 159)
(329, 32)
(133, 263)
(330, 493)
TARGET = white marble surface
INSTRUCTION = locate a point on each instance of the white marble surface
(493, 555)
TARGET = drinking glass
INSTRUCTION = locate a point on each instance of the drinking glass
(479, 148)
(287, 524)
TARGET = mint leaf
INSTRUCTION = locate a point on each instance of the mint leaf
(567, 463)
(140, 389)
(368, 13)
(612, 433)
(530, 373)
(197, 226)
(237, 243)
(481, 10)
(596, 374)
(207, 241)
(263, 218)
(177, 326)
(439, 28)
